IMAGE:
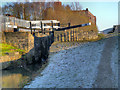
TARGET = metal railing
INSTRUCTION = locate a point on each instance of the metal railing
(9, 23)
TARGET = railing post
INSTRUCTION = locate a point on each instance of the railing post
(14, 20)
(4, 24)
(41, 27)
(31, 27)
(34, 29)
(44, 28)
(49, 32)
(7, 24)
(59, 24)
(52, 25)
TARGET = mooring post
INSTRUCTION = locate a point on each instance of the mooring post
(31, 27)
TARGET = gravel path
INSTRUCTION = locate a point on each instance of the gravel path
(105, 77)
(84, 66)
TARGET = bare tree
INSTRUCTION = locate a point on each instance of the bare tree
(76, 6)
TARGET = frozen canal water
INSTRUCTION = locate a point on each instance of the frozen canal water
(79, 67)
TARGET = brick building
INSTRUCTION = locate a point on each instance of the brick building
(92, 18)
(58, 3)
(86, 12)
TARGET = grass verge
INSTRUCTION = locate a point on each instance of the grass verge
(5, 48)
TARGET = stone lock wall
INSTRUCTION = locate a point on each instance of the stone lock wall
(37, 47)
(40, 51)
(75, 35)
(22, 40)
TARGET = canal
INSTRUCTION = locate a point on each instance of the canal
(19, 76)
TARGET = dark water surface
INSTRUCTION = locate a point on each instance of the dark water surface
(16, 78)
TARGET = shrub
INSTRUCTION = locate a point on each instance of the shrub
(101, 36)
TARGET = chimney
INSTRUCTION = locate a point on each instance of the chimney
(86, 9)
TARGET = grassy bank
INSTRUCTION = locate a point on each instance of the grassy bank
(6, 49)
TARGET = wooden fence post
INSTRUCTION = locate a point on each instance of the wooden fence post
(77, 34)
(58, 38)
(61, 37)
(73, 35)
(64, 37)
(69, 36)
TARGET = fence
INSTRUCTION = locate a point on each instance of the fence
(8, 23)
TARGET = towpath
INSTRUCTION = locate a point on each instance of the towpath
(88, 65)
